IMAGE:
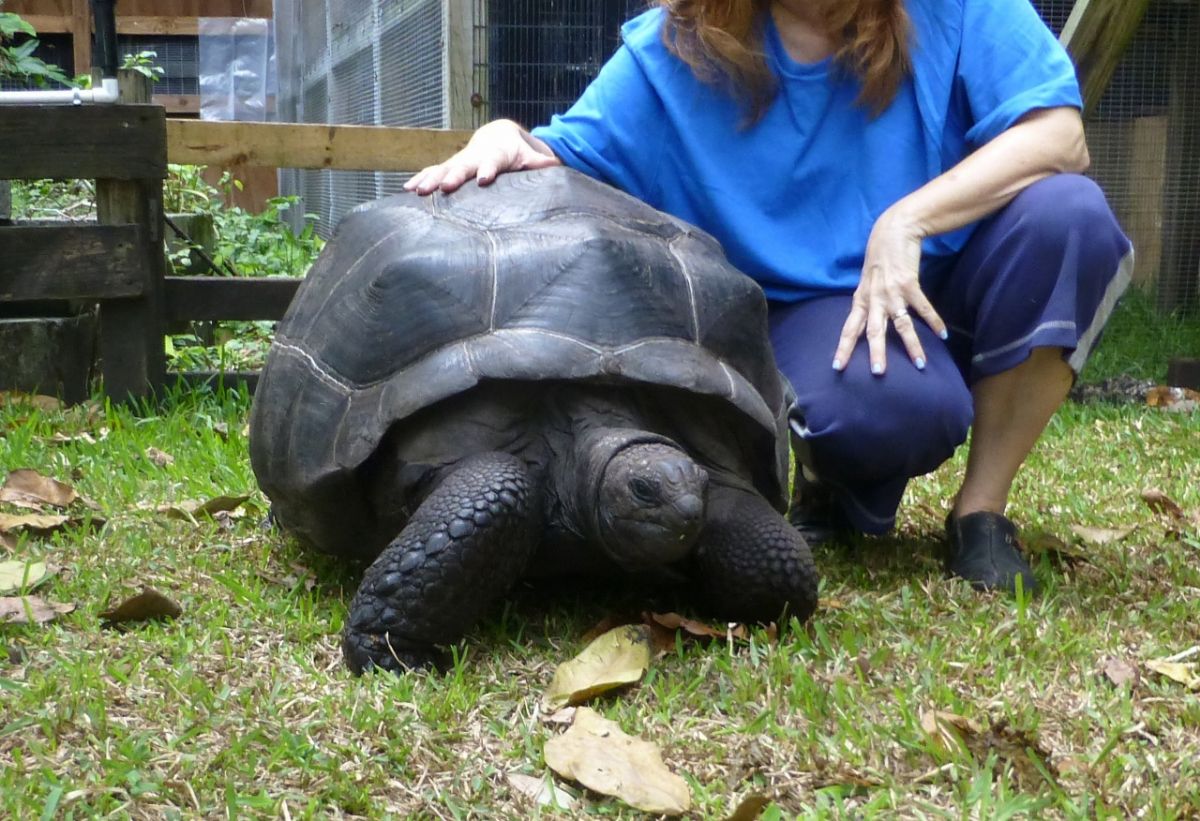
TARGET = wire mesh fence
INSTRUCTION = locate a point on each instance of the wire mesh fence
(390, 62)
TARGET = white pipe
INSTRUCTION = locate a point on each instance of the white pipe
(107, 93)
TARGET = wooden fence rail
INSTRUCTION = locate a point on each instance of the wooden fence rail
(117, 263)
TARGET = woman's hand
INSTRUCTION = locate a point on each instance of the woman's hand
(494, 148)
(889, 292)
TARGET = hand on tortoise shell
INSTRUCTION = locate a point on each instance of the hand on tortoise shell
(494, 148)
(889, 292)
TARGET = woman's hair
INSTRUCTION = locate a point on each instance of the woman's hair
(721, 40)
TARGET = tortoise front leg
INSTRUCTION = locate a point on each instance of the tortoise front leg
(752, 565)
(463, 548)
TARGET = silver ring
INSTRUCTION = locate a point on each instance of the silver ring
(900, 313)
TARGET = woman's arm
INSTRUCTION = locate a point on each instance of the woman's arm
(1043, 142)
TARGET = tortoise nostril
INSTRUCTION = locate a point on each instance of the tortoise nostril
(689, 506)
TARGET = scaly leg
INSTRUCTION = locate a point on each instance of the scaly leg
(463, 548)
(751, 564)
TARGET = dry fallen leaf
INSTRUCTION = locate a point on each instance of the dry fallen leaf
(1163, 504)
(1040, 542)
(222, 430)
(1119, 671)
(1178, 400)
(597, 754)
(28, 488)
(30, 610)
(20, 575)
(564, 716)
(674, 621)
(36, 523)
(145, 606)
(42, 403)
(617, 658)
(1101, 535)
(158, 457)
(60, 438)
(189, 510)
(541, 790)
(1183, 672)
(7, 542)
(948, 730)
(751, 808)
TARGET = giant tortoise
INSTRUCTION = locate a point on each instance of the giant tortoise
(541, 376)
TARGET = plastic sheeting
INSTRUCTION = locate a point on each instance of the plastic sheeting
(237, 69)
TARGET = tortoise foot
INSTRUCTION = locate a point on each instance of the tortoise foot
(463, 548)
(367, 651)
(752, 565)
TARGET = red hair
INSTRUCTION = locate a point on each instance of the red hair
(721, 40)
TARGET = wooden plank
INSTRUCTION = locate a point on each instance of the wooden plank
(71, 262)
(178, 103)
(214, 298)
(460, 63)
(302, 145)
(50, 23)
(1184, 373)
(119, 142)
(1096, 34)
(1146, 174)
(81, 41)
(131, 330)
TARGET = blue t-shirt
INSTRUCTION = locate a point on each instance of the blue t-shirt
(793, 198)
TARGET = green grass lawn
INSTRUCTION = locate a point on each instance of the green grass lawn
(241, 706)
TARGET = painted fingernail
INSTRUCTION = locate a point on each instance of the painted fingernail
(877, 368)
(837, 364)
(944, 334)
(920, 363)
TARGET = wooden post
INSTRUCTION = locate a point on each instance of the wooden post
(1179, 280)
(1096, 34)
(131, 330)
(81, 35)
(460, 63)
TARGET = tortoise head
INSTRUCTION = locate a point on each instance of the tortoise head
(650, 505)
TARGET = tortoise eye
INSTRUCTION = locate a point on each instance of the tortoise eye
(643, 490)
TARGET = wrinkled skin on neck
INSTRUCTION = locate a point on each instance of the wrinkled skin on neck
(650, 505)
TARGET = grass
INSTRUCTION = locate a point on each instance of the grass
(242, 708)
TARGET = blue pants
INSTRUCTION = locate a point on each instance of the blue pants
(1045, 271)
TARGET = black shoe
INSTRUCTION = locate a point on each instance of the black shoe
(814, 512)
(983, 549)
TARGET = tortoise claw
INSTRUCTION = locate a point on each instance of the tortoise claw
(366, 651)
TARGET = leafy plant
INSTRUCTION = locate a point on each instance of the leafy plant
(143, 63)
(17, 60)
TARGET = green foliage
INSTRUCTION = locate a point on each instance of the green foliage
(17, 60)
(143, 63)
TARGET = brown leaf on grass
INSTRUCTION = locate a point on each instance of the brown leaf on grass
(189, 510)
(60, 438)
(541, 790)
(949, 731)
(1101, 535)
(39, 523)
(159, 457)
(148, 605)
(222, 430)
(19, 575)
(750, 808)
(30, 610)
(597, 754)
(1183, 672)
(1119, 671)
(28, 488)
(1043, 543)
(7, 542)
(33, 400)
(831, 604)
(674, 621)
(1177, 400)
(605, 624)
(617, 658)
(564, 716)
(1164, 505)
